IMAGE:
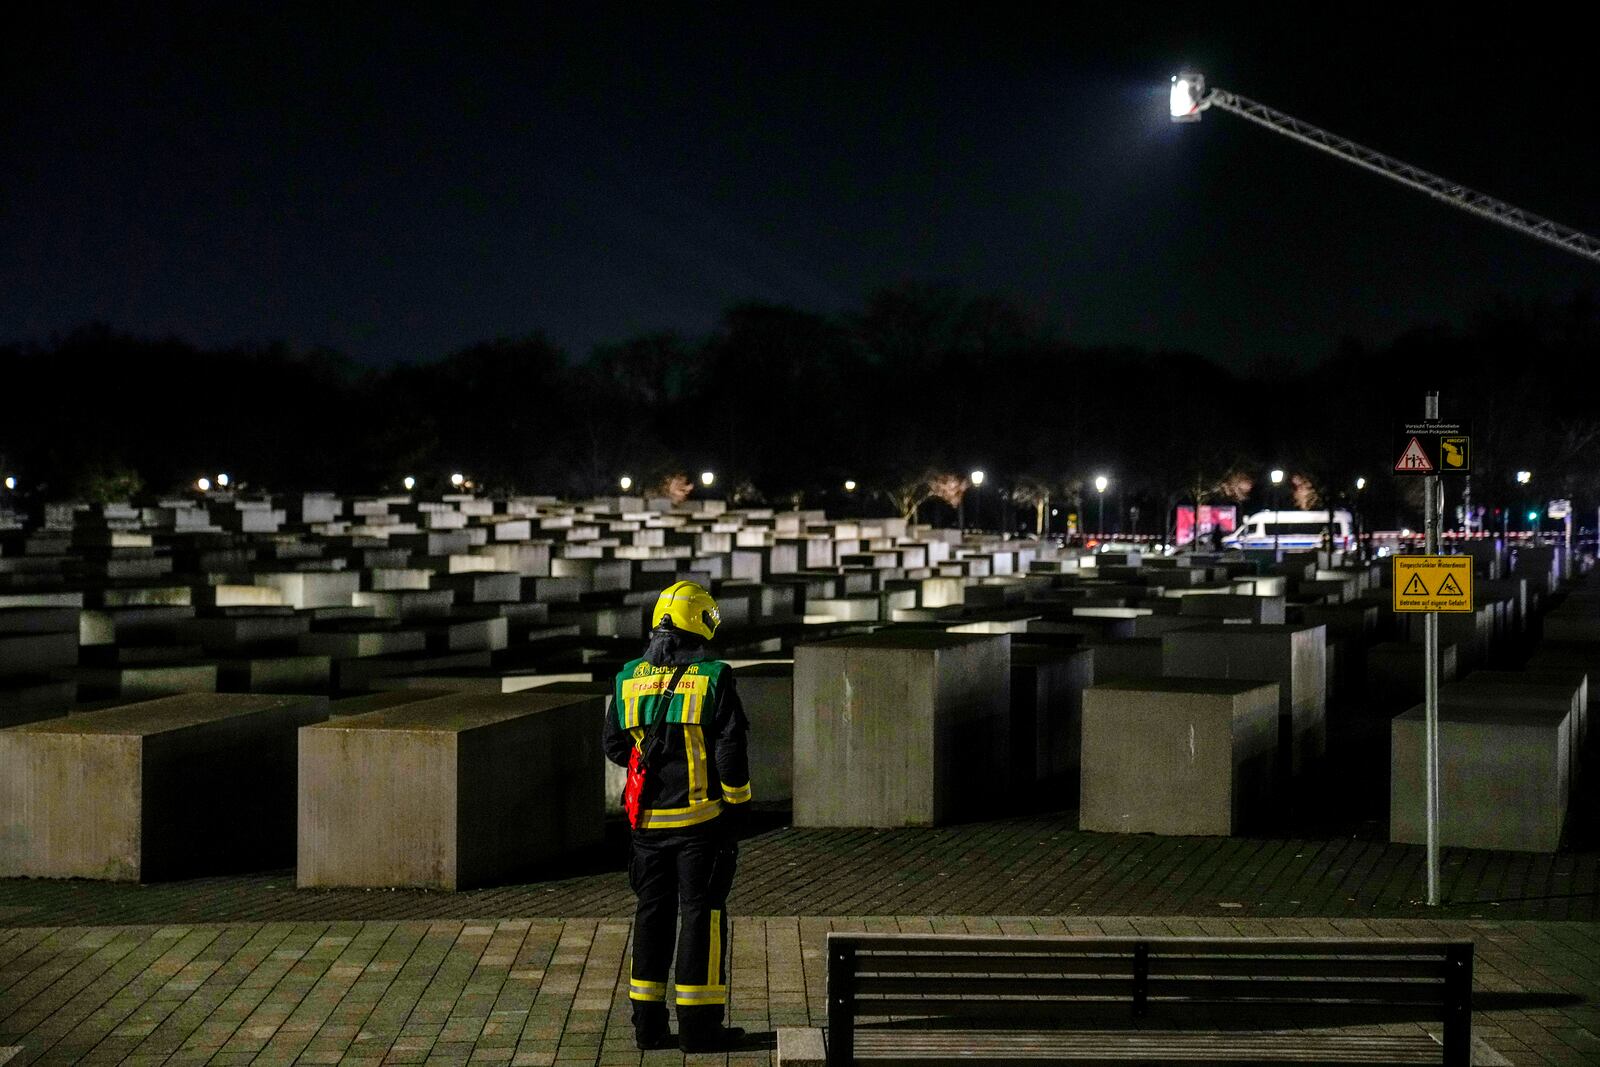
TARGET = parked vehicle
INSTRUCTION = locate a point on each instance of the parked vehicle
(1292, 529)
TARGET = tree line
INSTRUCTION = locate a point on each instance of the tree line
(903, 397)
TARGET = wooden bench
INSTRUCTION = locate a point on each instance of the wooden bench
(955, 999)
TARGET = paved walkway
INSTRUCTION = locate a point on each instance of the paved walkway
(249, 969)
(1040, 865)
(549, 992)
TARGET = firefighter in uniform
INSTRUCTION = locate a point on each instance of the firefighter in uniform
(695, 791)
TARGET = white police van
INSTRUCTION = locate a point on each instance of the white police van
(1292, 529)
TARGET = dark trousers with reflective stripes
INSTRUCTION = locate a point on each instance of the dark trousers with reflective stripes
(687, 875)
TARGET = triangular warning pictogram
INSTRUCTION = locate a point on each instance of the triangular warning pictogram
(1413, 458)
(1415, 587)
(1450, 588)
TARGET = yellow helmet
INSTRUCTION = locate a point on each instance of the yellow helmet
(689, 608)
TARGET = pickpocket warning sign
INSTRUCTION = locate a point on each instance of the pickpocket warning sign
(1433, 583)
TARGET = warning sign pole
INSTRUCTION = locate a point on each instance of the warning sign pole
(1430, 678)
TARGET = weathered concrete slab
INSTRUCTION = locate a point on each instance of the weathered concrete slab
(900, 728)
(1503, 777)
(29, 699)
(1260, 609)
(1177, 755)
(1047, 687)
(1125, 660)
(141, 681)
(459, 791)
(1394, 674)
(276, 674)
(1293, 656)
(177, 787)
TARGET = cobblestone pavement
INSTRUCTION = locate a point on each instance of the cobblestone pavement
(1039, 865)
(550, 991)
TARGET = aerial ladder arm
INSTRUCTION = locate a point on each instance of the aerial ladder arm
(1190, 97)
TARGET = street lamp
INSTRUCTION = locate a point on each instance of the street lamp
(850, 485)
(625, 483)
(204, 485)
(977, 478)
(11, 483)
(1100, 483)
(222, 480)
(409, 482)
(1361, 483)
(706, 478)
(1188, 97)
(1277, 480)
(457, 480)
(1523, 478)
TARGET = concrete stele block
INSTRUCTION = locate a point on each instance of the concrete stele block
(1503, 777)
(900, 728)
(450, 793)
(767, 693)
(1047, 687)
(1293, 656)
(1177, 755)
(177, 787)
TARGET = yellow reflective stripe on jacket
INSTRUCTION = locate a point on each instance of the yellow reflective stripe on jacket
(694, 744)
(676, 818)
(735, 794)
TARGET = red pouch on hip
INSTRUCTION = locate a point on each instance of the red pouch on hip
(639, 758)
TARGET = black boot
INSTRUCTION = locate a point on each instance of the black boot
(650, 1029)
(700, 1029)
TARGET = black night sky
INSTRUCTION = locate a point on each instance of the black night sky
(396, 183)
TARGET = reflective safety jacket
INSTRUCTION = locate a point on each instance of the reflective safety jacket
(705, 764)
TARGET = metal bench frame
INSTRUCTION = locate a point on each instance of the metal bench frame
(1042, 979)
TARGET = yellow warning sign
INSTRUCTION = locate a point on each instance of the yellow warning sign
(1433, 583)
(1456, 452)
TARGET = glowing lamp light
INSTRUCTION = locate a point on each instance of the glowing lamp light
(11, 483)
(222, 480)
(977, 477)
(625, 483)
(1185, 99)
(409, 482)
(1361, 483)
(1277, 477)
(1532, 515)
(204, 485)
(850, 486)
(1524, 477)
(1100, 483)
(457, 479)
(706, 478)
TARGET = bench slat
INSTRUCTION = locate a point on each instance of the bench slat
(870, 944)
(1160, 964)
(1119, 966)
(982, 986)
(1298, 991)
(1294, 967)
(964, 1046)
